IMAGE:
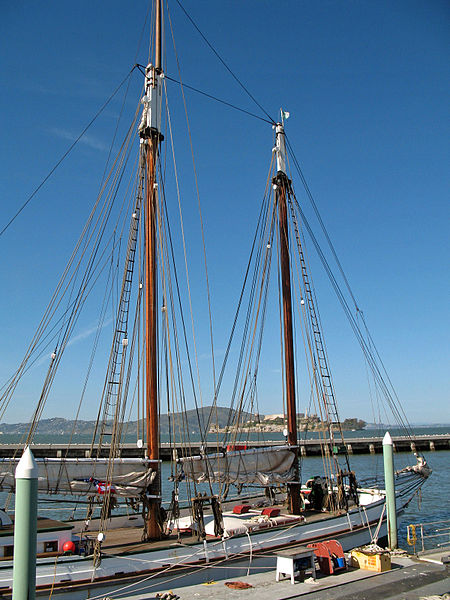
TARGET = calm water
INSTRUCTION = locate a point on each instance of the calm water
(433, 504)
(86, 439)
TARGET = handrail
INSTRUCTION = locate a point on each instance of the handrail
(431, 534)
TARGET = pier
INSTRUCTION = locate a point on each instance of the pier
(312, 447)
(412, 577)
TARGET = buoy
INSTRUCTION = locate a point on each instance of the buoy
(68, 547)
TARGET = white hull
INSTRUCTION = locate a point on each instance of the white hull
(73, 576)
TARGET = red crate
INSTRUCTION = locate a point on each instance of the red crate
(240, 509)
(271, 512)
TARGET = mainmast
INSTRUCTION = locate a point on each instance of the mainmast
(281, 184)
(150, 134)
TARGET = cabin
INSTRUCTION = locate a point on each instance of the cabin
(51, 536)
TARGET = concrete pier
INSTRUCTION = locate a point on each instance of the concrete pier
(360, 445)
(410, 578)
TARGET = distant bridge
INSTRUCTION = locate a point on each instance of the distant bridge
(374, 445)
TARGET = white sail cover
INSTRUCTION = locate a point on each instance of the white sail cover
(85, 476)
(259, 466)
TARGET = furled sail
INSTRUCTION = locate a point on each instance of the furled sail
(259, 466)
(126, 477)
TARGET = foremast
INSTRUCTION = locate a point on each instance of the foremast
(151, 137)
(281, 184)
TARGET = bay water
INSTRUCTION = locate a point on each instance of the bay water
(431, 505)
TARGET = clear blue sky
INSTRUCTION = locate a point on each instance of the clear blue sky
(367, 86)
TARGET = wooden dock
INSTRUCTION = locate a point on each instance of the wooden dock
(361, 445)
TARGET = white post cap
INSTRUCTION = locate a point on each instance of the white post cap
(27, 467)
(387, 440)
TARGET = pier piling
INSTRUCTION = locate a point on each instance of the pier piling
(25, 528)
(389, 483)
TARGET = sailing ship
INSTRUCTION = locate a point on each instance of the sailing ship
(135, 537)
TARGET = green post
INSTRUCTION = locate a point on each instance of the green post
(25, 528)
(389, 484)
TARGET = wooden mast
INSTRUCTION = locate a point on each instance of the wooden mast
(149, 131)
(281, 182)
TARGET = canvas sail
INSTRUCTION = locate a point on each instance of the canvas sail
(259, 466)
(85, 476)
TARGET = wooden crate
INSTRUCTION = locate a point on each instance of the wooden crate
(371, 562)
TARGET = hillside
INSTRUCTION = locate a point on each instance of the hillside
(60, 426)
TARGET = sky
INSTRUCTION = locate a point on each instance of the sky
(367, 88)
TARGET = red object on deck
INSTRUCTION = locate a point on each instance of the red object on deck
(271, 512)
(231, 447)
(330, 556)
(240, 509)
(68, 547)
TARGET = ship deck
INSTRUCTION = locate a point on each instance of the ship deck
(129, 539)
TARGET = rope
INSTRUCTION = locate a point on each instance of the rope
(216, 99)
(263, 236)
(377, 530)
(396, 409)
(54, 579)
(203, 235)
(378, 371)
(66, 153)
(224, 63)
(92, 273)
(250, 558)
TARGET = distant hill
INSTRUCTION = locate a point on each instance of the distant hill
(195, 420)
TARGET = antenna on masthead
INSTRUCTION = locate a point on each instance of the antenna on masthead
(280, 143)
(158, 23)
(150, 124)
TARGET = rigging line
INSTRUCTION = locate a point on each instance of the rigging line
(79, 301)
(258, 335)
(225, 64)
(396, 410)
(234, 555)
(306, 331)
(87, 237)
(130, 359)
(253, 348)
(122, 311)
(280, 314)
(168, 258)
(216, 99)
(176, 382)
(13, 381)
(127, 90)
(327, 385)
(310, 196)
(100, 326)
(91, 265)
(322, 224)
(257, 287)
(137, 357)
(373, 396)
(25, 365)
(66, 153)
(171, 256)
(221, 374)
(261, 229)
(372, 343)
(255, 250)
(208, 294)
